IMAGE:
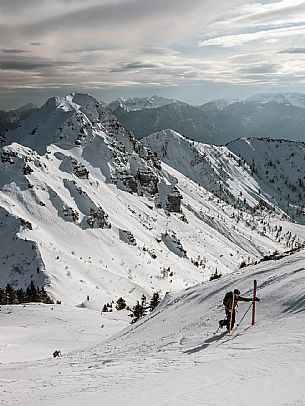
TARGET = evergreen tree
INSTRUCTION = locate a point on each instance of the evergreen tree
(45, 298)
(143, 301)
(137, 312)
(155, 300)
(120, 304)
(2, 297)
(21, 297)
(31, 293)
(10, 293)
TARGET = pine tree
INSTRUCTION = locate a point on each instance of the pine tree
(31, 293)
(137, 312)
(2, 297)
(143, 301)
(45, 298)
(120, 304)
(21, 297)
(10, 294)
(155, 300)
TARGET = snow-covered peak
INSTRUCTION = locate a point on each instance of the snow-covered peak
(294, 99)
(64, 120)
(217, 104)
(140, 103)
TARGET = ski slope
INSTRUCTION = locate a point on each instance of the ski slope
(170, 357)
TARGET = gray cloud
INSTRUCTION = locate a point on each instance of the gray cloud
(24, 63)
(259, 69)
(293, 51)
(13, 6)
(37, 44)
(127, 20)
(156, 51)
(135, 66)
(14, 51)
(108, 14)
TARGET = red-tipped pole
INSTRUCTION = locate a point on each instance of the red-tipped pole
(253, 303)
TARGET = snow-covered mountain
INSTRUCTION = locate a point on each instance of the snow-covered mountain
(10, 119)
(87, 209)
(140, 103)
(289, 99)
(273, 115)
(217, 104)
(246, 173)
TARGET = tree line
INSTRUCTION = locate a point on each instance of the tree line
(10, 295)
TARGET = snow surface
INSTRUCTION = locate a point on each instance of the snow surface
(170, 357)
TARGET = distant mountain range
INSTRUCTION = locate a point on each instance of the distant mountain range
(270, 115)
(86, 209)
(279, 115)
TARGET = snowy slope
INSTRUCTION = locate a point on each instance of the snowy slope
(248, 172)
(278, 164)
(172, 356)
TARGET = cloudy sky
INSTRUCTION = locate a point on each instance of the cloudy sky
(192, 50)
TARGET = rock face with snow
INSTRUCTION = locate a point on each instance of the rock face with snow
(247, 173)
(87, 209)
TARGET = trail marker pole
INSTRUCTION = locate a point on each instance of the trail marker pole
(253, 303)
